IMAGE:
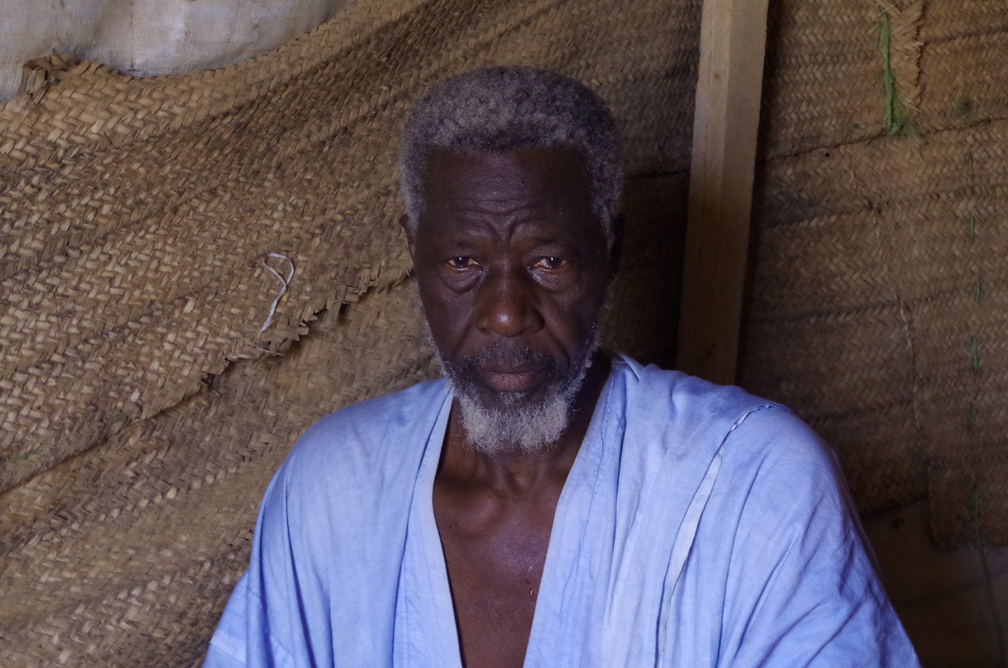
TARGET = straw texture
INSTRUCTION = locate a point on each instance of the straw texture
(878, 293)
(141, 410)
(136, 213)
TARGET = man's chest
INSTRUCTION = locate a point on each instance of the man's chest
(495, 567)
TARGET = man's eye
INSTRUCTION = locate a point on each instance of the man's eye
(550, 263)
(461, 262)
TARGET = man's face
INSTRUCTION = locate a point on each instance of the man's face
(512, 269)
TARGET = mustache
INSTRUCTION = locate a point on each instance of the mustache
(507, 352)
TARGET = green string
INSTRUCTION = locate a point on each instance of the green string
(893, 107)
(896, 119)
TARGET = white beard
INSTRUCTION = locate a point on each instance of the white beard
(517, 425)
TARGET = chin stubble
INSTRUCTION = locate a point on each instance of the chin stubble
(517, 423)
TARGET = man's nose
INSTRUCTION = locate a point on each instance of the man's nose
(506, 303)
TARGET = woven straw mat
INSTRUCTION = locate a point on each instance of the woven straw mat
(877, 304)
(142, 411)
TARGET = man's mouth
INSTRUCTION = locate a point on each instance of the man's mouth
(508, 370)
(516, 379)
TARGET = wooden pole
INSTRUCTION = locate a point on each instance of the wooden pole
(732, 45)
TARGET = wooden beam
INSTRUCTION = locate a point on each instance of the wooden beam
(732, 45)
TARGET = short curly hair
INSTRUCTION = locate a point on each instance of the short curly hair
(500, 109)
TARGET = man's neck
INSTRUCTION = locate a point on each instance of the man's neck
(494, 514)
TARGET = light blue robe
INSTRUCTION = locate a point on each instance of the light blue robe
(699, 526)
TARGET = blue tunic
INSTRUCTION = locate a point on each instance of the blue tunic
(699, 526)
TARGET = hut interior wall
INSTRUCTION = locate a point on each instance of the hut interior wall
(877, 290)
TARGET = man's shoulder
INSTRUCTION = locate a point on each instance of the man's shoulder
(778, 469)
(363, 436)
(688, 409)
(684, 395)
(775, 480)
(697, 418)
(771, 464)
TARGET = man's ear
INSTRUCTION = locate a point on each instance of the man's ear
(404, 222)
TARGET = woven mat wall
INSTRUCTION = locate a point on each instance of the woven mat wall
(141, 409)
(878, 295)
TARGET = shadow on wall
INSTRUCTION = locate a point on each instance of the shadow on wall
(151, 37)
(949, 601)
(643, 320)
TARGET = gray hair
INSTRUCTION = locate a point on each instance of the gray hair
(500, 109)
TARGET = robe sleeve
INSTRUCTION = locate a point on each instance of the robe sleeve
(227, 647)
(801, 587)
(245, 635)
(322, 582)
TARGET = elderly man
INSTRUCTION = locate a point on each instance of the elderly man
(549, 504)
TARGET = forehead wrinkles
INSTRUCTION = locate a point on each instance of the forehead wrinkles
(505, 211)
(505, 190)
(504, 218)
